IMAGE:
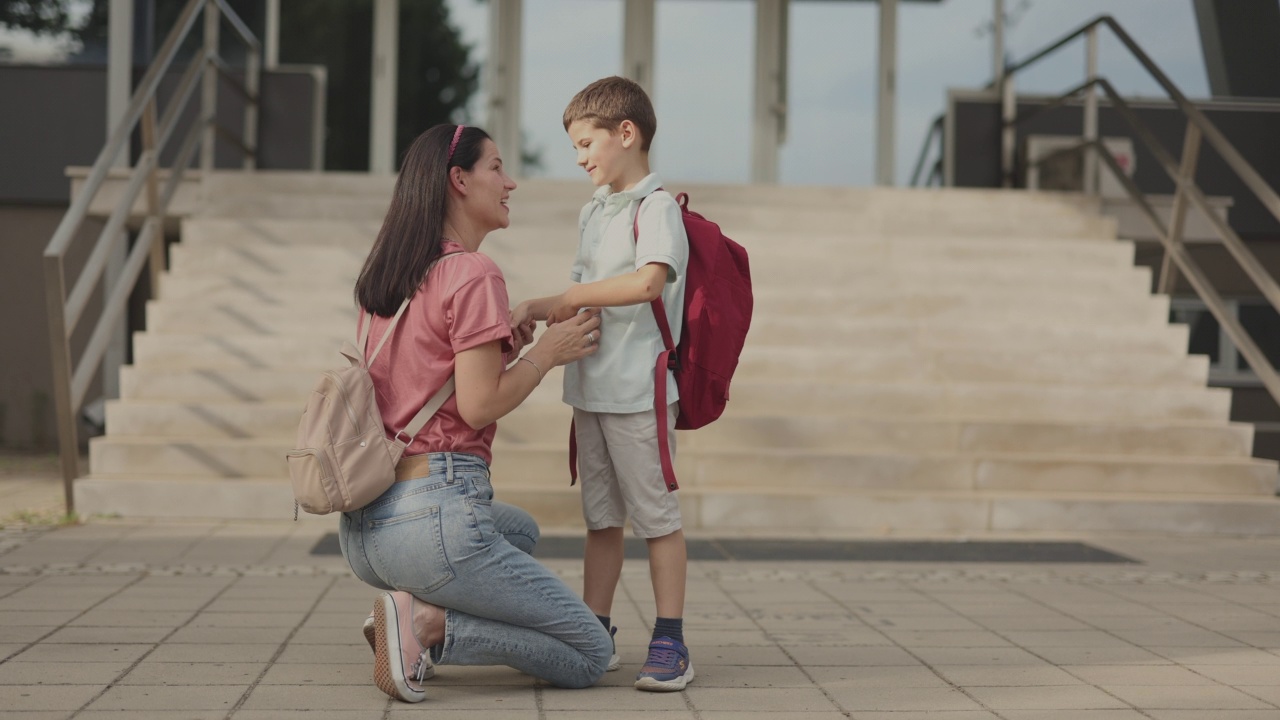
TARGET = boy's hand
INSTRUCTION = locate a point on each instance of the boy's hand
(562, 311)
(520, 314)
(522, 333)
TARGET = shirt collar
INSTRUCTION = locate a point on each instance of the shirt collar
(648, 184)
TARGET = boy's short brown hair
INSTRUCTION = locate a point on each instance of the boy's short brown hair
(606, 102)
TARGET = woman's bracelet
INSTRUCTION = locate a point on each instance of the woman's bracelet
(534, 364)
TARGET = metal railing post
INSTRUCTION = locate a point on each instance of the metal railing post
(74, 373)
(156, 263)
(1008, 132)
(60, 353)
(252, 83)
(209, 91)
(1089, 167)
(1177, 221)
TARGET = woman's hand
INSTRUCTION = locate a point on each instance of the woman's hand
(522, 328)
(570, 340)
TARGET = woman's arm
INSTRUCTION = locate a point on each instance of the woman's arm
(486, 390)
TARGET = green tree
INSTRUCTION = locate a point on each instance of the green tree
(436, 75)
(41, 17)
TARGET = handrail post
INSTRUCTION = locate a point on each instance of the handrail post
(252, 83)
(1008, 132)
(153, 193)
(1089, 167)
(1177, 223)
(60, 353)
(209, 91)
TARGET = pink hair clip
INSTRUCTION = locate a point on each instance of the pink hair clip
(457, 134)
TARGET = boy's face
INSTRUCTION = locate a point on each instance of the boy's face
(600, 152)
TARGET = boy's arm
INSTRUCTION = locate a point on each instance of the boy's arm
(633, 288)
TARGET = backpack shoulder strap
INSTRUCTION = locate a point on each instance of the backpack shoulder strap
(437, 400)
(667, 359)
(659, 310)
(364, 335)
(428, 411)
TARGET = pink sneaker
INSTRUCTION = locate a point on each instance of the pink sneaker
(400, 663)
(369, 633)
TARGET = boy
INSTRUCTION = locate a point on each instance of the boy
(611, 124)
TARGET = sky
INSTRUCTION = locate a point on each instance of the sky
(704, 66)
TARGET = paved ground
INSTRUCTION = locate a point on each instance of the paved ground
(119, 619)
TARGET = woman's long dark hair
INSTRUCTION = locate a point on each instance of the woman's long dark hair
(412, 233)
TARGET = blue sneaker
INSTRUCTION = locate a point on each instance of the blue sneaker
(667, 668)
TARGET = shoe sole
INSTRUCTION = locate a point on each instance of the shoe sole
(369, 633)
(649, 684)
(615, 662)
(384, 669)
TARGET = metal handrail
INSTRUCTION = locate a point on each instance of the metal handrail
(935, 130)
(73, 376)
(1181, 171)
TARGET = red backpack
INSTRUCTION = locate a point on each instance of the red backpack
(717, 315)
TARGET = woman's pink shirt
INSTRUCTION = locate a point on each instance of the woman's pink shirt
(462, 304)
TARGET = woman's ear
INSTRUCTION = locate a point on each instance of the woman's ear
(458, 180)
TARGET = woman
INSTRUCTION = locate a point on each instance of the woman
(461, 586)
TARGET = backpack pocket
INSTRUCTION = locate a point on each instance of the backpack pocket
(314, 485)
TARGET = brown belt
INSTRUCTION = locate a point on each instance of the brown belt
(414, 466)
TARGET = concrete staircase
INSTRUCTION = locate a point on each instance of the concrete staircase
(921, 362)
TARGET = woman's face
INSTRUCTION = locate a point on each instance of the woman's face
(489, 188)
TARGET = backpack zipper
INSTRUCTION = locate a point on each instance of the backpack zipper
(345, 404)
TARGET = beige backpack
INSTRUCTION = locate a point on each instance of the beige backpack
(344, 460)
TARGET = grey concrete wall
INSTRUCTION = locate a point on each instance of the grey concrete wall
(62, 122)
(55, 117)
(27, 418)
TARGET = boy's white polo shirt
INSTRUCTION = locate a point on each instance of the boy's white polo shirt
(618, 377)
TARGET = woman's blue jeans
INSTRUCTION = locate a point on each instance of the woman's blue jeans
(444, 539)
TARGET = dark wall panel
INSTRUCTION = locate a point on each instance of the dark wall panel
(1251, 128)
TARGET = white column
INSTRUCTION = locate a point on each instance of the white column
(382, 105)
(502, 79)
(886, 91)
(769, 100)
(271, 43)
(119, 67)
(637, 42)
(119, 91)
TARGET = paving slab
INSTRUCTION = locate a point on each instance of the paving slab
(128, 619)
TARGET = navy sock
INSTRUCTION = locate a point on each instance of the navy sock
(669, 627)
(604, 620)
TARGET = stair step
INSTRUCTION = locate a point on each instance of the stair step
(883, 512)
(869, 399)
(279, 421)
(1056, 364)
(555, 256)
(336, 314)
(921, 361)
(238, 458)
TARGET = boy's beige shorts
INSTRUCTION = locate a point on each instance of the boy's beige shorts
(620, 473)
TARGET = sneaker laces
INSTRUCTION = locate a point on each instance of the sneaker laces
(662, 657)
(419, 669)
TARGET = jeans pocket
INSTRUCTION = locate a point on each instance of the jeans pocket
(480, 520)
(408, 550)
